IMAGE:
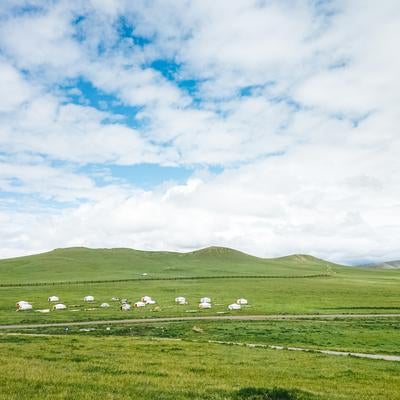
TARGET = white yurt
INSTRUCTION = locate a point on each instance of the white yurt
(53, 298)
(114, 299)
(234, 306)
(180, 300)
(205, 300)
(151, 302)
(125, 307)
(140, 304)
(88, 298)
(59, 306)
(23, 306)
(146, 299)
(204, 305)
(241, 302)
(104, 305)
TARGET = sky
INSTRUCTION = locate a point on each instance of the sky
(268, 126)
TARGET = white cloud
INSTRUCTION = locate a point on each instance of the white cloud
(37, 40)
(14, 90)
(292, 203)
(72, 133)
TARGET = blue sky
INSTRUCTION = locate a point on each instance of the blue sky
(270, 127)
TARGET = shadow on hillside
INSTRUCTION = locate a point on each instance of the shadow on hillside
(252, 393)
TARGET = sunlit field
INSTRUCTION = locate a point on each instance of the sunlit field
(60, 367)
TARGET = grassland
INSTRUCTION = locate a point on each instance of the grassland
(370, 335)
(266, 296)
(173, 361)
(339, 289)
(335, 294)
(129, 368)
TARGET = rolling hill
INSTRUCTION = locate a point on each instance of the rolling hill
(83, 264)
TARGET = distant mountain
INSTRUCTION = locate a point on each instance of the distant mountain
(384, 265)
(80, 263)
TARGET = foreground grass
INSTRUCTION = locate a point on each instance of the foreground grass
(66, 367)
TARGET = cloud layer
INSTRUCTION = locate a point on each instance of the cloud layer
(286, 112)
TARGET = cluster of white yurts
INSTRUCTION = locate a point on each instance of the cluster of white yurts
(205, 303)
(26, 305)
(143, 302)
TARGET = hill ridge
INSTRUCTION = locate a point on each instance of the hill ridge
(209, 250)
(85, 264)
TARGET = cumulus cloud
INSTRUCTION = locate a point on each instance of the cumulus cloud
(14, 90)
(296, 103)
(269, 208)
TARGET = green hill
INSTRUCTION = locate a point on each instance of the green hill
(83, 264)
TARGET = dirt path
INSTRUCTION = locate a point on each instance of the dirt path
(276, 317)
(385, 357)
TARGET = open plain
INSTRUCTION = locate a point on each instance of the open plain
(180, 351)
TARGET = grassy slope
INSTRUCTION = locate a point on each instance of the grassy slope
(73, 367)
(103, 264)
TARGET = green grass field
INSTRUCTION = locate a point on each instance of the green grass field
(371, 335)
(341, 293)
(171, 360)
(74, 367)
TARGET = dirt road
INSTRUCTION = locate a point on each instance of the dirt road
(385, 357)
(275, 317)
